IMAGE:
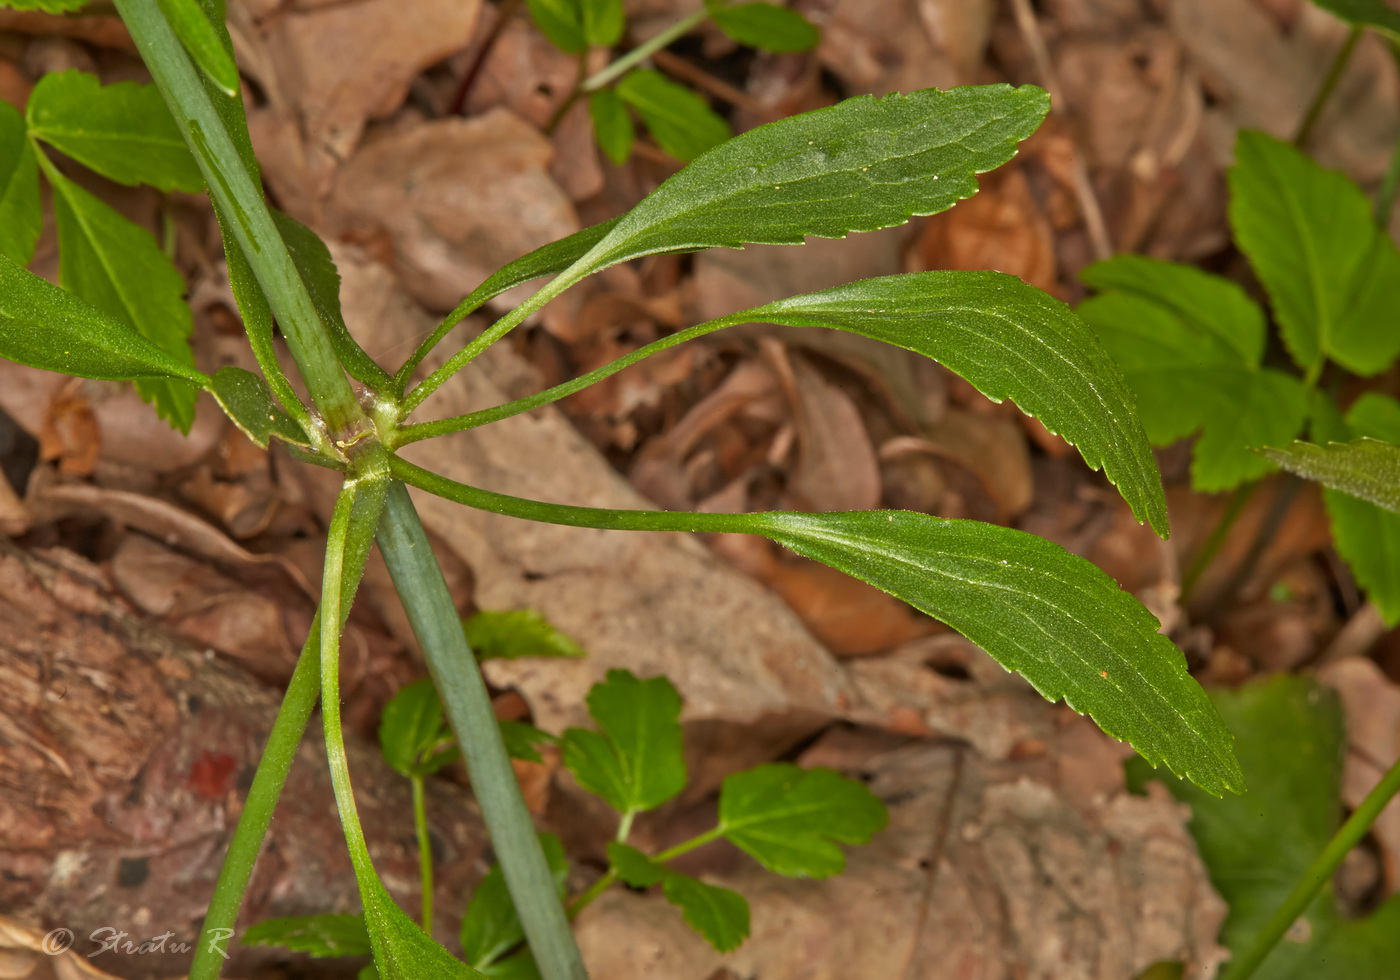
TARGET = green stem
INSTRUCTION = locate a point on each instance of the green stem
(643, 51)
(1324, 91)
(425, 851)
(1217, 538)
(1385, 199)
(624, 826)
(241, 199)
(438, 626)
(1317, 874)
(594, 890)
(685, 847)
(427, 430)
(605, 882)
(258, 807)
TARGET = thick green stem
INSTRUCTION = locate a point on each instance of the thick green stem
(241, 199)
(438, 627)
(425, 851)
(1317, 875)
(1324, 90)
(644, 51)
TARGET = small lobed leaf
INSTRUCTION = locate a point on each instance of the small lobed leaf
(638, 762)
(21, 216)
(491, 928)
(1009, 340)
(560, 21)
(682, 122)
(117, 267)
(1051, 616)
(123, 131)
(1329, 271)
(611, 125)
(318, 935)
(47, 327)
(1365, 13)
(246, 400)
(508, 634)
(410, 726)
(718, 914)
(861, 165)
(791, 819)
(197, 34)
(603, 21)
(765, 26)
(521, 739)
(1190, 345)
(634, 867)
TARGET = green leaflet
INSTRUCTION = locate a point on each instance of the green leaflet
(1009, 340)
(117, 267)
(638, 762)
(317, 935)
(202, 41)
(603, 21)
(765, 26)
(1329, 271)
(510, 633)
(559, 21)
(1190, 344)
(245, 398)
(1257, 846)
(21, 217)
(412, 734)
(123, 131)
(718, 914)
(1034, 607)
(491, 927)
(1365, 13)
(861, 165)
(791, 819)
(47, 327)
(1364, 468)
(682, 122)
(47, 6)
(612, 126)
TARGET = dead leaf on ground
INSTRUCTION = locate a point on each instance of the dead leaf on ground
(882, 46)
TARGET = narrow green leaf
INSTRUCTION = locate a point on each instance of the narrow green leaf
(1328, 269)
(766, 26)
(410, 726)
(245, 399)
(1010, 340)
(123, 131)
(861, 165)
(718, 914)
(1364, 468)
(1049, 615)
(682, 122)
(117, 267)
(318, 935)
(200, 39)
(521, 739)
(1365, 13)
(1190, 345)
(491, 928)
(561, 21)
(1257, 846)
(611, 125)
(21, 218)
(509, 634)
(603, 21)
(790, 819)
(638, 762)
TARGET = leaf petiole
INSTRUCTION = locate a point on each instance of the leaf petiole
(643, 51)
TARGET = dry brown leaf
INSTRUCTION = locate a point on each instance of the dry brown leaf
(881, 46)
(991, 447)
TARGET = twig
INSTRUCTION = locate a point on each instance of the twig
(1324, 91)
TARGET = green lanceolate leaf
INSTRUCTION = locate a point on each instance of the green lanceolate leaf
(1191, 344)
(402, 951)
(318, 935)
(718, 914)
(1257, 846)
(21, 217)
(1328, 269)
(561, 22)
(790, 820)
(765, 26)
(508, 634)
(861, 165)
(491, 928)
(682, 122)
(1364, 468)
(47, 327)
(197, 34)
(411, 727)
(1011, 341)
(1365, 13)
(123, 131)
(1049, 615)
(611, 125)
(638, 762)
(117, 267)
(245, 398)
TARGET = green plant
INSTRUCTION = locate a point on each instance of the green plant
(863, 164)
(682, 122)
(788, 819)
(1192, 344)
